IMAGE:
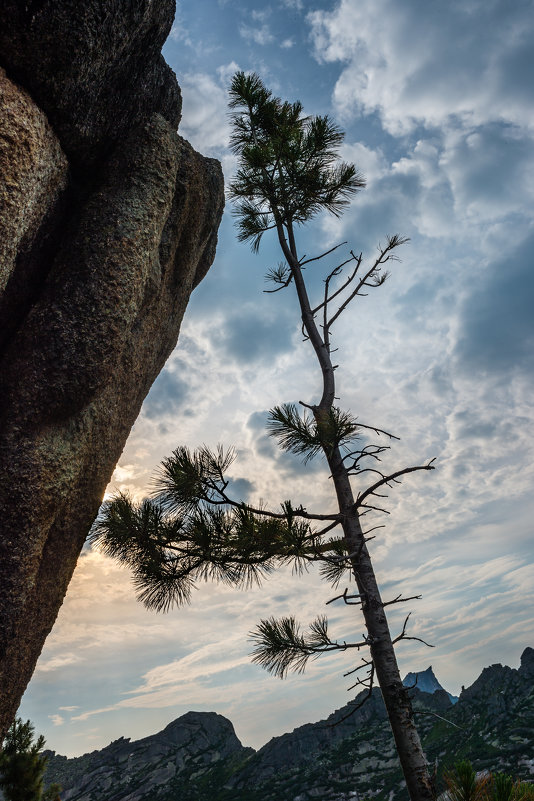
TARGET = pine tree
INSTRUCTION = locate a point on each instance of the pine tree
(192, 529)
(22, 765)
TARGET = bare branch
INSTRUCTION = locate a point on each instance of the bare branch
(404, 636)
(336, 271)
(328, 528)
(326, 253)
(347, 598)
(428, 712)
(298, 512)
(369, 508)
(365, 663)
(359, 705)
(378, 431)
(282, 286)
(373, 277)
(400, 600)
(386, 481)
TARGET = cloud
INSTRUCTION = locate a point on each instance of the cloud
(240, 488)
(57, 720)
(169, 393)
(205, 111)
(261, 16)
(261, 35)
(490, 169)
(57, 662)
(179, 32)
(425, 63)
(247, 335)
(496, 334)
(451, 84)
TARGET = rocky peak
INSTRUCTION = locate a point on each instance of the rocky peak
(426, 682)
(527, 664)
(197, 730)
(198, 757)
(188, 748)
(493, 680)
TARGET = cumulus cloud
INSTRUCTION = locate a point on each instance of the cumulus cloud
(451, 83)
(426, 63)
(205, 111)
(261, 35)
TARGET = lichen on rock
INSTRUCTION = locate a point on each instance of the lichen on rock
(114, 226)
(33, 169)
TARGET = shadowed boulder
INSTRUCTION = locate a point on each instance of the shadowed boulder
(95, 68)
(97, 275)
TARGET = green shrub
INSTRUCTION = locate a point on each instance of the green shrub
(463, 784)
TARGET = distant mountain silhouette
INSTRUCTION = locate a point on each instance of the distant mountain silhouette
(199, 758)
(427, 682)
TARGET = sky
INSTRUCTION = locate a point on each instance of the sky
(436, 99)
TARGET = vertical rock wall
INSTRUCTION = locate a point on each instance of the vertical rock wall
(108, 220)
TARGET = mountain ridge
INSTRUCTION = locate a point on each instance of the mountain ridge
(426, 681)
(198, 756)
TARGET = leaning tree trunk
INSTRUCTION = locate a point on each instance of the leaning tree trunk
(108, 220)
(396, 698)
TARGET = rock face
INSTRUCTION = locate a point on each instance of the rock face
(108, 221)
(33, 169)
(426, 681)
(94, 68)
(193, 749)
(198, 757)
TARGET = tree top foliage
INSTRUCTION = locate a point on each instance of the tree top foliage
(288, 164)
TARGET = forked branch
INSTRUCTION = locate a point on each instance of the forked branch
(386, 481)
(404, 636)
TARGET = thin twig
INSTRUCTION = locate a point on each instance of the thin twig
(326, 253)
(404, 636)
(392, 477)
(428, 712)
(359, 705)
(400, 600)
(347, 598)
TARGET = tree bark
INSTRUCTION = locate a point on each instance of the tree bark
(396, 698)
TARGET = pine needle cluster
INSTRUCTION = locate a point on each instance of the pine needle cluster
(191, 530)
(288, 168)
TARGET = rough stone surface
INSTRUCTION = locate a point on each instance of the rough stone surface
(95, 68)
(33, 169)
(95, 300)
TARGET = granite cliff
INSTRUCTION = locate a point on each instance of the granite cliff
(108, 220)
(199, 758)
